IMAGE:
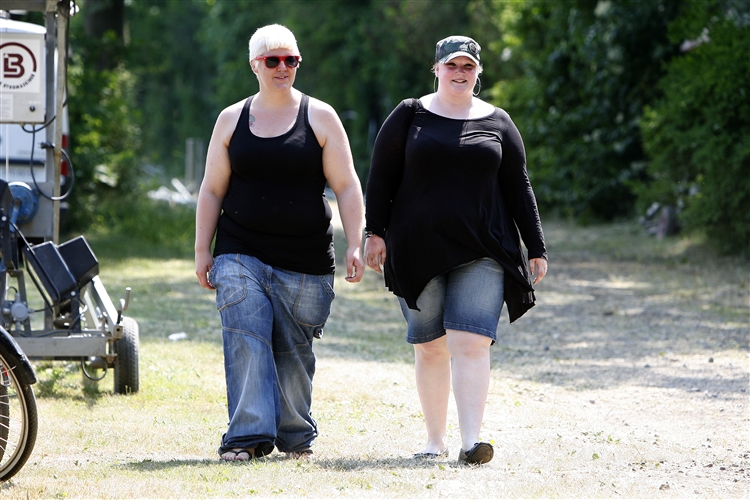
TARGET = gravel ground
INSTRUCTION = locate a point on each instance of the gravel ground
(647, 360)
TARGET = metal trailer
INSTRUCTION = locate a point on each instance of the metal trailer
(80, 321)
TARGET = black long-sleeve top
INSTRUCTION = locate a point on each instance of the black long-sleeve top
(443, 192)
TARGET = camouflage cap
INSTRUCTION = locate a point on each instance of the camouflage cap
(455, 46)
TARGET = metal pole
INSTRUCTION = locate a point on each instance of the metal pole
(62, 61)
(49, 131)
(200, 163)
(189, 162)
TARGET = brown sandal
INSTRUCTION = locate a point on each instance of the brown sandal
(480, 453)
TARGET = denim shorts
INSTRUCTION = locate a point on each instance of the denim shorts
(468, 298)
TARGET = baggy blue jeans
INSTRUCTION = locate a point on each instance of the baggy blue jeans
(269, 317)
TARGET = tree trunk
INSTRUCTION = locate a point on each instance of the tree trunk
(103, 19)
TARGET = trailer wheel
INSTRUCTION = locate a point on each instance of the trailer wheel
(126, 362)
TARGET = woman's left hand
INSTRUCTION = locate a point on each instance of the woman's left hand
(538, 268)
(375, 253)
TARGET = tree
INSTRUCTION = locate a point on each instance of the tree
(105, 18)
(174, 72)
(587, 70)
(103, 121)
(698, 135)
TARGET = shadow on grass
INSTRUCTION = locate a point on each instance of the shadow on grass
(66, 381)
(277, 459)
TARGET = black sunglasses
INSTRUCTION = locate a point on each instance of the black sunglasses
(273, 61)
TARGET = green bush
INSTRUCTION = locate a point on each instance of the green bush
(140, 226)
(698, 135)
(588, 68)
(104, 133)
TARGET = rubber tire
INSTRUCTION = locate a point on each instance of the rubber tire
(9, 466)
(126, 361)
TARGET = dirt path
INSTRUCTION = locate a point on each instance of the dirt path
(651, 362)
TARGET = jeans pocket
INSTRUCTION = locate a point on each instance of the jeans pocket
(212, 272)
(226, 276)
(313, 305)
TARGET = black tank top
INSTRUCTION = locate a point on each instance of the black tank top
(275, 208)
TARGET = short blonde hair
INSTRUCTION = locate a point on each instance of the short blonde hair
(271, 37)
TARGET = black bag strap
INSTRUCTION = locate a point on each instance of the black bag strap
(414, 106)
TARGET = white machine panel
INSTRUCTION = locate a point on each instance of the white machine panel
(22, 74)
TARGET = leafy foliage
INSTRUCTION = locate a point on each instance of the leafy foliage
(587, 70)
(698, 135)
(173, 70)
(146, 227)
(105, 136)
(132, 104)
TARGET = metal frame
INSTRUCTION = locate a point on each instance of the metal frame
(100, 311)
(104, 321)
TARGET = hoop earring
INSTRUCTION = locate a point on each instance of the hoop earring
(434, 85)
(479, 82)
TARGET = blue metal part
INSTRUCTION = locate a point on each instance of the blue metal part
(25, 203)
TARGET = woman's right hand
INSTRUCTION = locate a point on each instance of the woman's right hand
(375, 253)
(203, 264)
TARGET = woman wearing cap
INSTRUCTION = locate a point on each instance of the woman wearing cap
(272, 266)
(447, 188)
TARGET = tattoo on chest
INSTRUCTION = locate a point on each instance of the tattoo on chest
(250, 120)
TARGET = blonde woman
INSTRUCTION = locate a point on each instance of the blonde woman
(272, 266)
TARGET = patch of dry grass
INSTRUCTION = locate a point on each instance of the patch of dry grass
(629, 379)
